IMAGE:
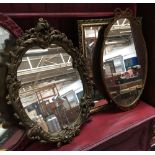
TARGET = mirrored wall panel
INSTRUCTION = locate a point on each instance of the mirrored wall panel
(51, 89)
(122, 70)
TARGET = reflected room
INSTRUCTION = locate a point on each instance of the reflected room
(90, 36)
(51, 89)
(122, 71)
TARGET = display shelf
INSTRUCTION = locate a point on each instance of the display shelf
(130, 130)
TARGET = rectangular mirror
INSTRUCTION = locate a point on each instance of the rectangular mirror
(88, 33)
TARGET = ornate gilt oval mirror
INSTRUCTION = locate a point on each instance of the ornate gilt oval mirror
(48, 85)
(123, 60)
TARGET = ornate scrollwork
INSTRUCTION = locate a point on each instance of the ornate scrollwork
(43, 36)
(14, 32)
(119, 13)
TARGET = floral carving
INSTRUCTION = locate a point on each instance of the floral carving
(43, 36)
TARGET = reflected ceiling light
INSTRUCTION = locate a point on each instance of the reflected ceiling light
(91, 44)
(36, 51)
(125, 31)
(117, 22)
(124, 21)
(111, 42)
(69, 68)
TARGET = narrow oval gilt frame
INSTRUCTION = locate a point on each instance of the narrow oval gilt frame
(140, 47)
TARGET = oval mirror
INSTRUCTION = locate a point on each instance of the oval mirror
(51, 89)
(48, 85)
(123, 61)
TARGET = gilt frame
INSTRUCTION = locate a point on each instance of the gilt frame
(140, 47)
(42, 36)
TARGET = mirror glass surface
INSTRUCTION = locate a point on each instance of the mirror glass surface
(121, 68)
(51, 89)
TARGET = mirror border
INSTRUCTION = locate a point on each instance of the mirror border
(42, 36)
(6, 110)
(135, 23)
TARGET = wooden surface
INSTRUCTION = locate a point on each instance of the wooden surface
(130, 130)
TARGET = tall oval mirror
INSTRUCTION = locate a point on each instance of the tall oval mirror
(51, 89)
(123, 64)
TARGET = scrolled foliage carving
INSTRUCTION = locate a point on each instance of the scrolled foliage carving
(43, 36)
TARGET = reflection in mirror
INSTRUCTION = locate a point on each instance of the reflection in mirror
(122, 71)
(51, 89)
(90, 37)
